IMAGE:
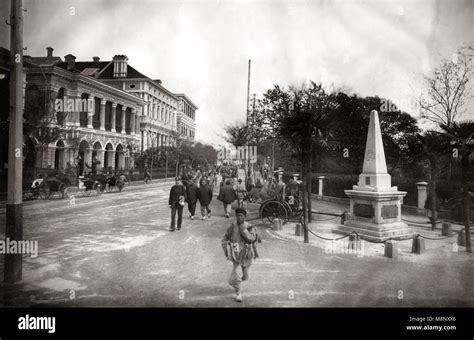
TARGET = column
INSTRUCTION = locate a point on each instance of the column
(123, 119)
(132, 122)
(320, 185)
(90, 113)
(100, 158)
(422, 194)
(102, 114)
(114, 116)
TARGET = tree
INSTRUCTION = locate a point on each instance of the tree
(462, 140)
(447, 90)
(300, 116)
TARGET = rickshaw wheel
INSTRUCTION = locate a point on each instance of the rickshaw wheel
(98, 188)
(273, 209)
(45, 192)
(64, 191)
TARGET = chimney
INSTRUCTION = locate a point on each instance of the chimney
(50, 52)
(96, 59)
(70, 60)
(120, 66)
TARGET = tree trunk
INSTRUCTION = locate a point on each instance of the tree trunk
(310, 181)
(433, 194)
(305, 197)
(466, 212)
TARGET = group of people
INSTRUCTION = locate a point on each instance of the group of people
(240, 238)
(189, 192)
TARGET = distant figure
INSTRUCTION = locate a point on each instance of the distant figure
(147, 175)
(240, 191)
(227, 196)
(204, 194)
(176, 203)
(280, 189)
(191, 191)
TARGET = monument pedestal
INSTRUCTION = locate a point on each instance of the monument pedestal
(376, 215)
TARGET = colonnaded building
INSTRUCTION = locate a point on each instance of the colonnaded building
(125, 113)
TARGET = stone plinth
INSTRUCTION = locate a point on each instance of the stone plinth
(375, 215)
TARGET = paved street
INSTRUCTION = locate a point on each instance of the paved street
(115, 250)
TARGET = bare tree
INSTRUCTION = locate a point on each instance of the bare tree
(447, 89)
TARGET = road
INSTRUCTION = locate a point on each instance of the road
(116, 250)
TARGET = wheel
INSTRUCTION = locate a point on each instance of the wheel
(64, 191)
(273, 209)
(97, 187)
(45, 192)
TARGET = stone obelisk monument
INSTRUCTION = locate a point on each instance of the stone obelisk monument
(375, 206)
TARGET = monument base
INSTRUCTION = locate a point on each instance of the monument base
(375, 216)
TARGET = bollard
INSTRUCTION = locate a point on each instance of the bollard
(298, 229)
(462, 238)
(418, 245)
(345, 217)
(276, 224)
(447, 230)
(391, 249)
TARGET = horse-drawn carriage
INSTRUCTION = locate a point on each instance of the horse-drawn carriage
(46, 188)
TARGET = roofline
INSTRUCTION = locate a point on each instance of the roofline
(144, 79)
(188, 99)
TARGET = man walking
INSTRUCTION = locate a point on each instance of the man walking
(227, 196)
(204, 195)
(239, 245)
(176, 202)
(191, 193)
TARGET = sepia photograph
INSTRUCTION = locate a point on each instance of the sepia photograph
(237, 154)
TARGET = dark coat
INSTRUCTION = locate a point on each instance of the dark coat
(191, 191)
(227, 194)
(204, 194)
(175, 192)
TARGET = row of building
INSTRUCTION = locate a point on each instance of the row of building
(126, 112)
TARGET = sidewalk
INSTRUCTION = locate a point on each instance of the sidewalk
(135, 185)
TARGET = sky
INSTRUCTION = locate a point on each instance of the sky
(202, 47)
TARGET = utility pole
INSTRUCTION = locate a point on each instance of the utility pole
(248, 93)
(14, 214)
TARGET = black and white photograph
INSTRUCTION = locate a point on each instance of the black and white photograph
(237, 154)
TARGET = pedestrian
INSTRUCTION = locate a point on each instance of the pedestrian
(147, 175)
(280, 189)
(204, 194)
(240, 191)
(176, 203)
(227, 196)
(191, 192)
(239, 245)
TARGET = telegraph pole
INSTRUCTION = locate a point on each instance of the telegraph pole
(248, 93)
(14, 216)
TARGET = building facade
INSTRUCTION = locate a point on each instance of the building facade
(186, 117)
(107, 111)
(100, 122)
(158, 122)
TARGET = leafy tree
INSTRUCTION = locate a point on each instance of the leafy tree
(301, 117)
(461, 136)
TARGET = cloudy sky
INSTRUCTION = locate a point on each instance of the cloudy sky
(202, 47)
